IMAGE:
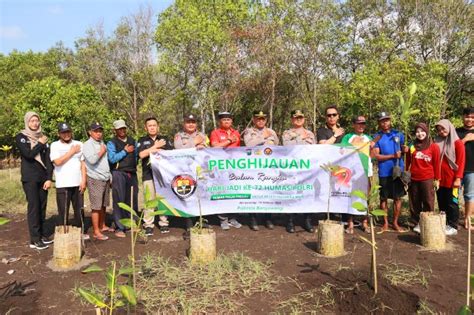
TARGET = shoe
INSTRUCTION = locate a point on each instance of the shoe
(450, 231)
(416, 229)
(38, 245)
(188, 223)
(308, 226)
(148, 231)
(225, 225)
(85, 237)
(235, 223)
(164, 229)
(290, 228)
(120, 234)
(253, 224)
(269, 225)
(46, 240)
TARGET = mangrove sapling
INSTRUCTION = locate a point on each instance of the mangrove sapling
(135, 229)
(466, 309)
(6, 149)
(368, 207)
(117, 295)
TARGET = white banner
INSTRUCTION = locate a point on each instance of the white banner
(267, 179)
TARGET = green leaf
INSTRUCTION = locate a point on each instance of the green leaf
(125, 271)
(412, 90)
(464, 310)
(151, 204)
(147, 194)
(119, 303)
(129, 294)
(93, 268)
(109, 276)
(359, 193)
(127, 208)
(378, 213)
(128, 223)
(159, 212)
(4, 221)
(359, 206)
(92, 298)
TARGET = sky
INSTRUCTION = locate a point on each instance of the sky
(38, 25)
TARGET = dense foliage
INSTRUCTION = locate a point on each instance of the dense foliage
(204, 56)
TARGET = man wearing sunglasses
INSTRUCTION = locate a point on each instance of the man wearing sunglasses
(330, 133)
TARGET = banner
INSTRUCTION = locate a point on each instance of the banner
(267, 179)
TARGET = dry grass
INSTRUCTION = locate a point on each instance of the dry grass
(165, 287)
(315, 301)
(425, 309)
(401, 274)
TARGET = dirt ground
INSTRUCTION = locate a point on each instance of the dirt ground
(39, 290)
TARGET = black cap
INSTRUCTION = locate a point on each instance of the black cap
(359, 120)
(95, 125)
(259, 114)
(383, 115)
(221, 115)
(190, 117)
(63, 127)
(297, 113)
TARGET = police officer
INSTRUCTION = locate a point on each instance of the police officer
(190, 137)
(258, 135)
(298, 135)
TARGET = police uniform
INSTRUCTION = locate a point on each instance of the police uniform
(254, 136)
(299, 136)
(184, 140)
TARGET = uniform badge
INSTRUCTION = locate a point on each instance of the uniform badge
(23, 140)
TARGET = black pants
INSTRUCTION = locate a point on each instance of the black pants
(421, 197)
(37, 198)
(122, 183)
(74, 197)
(448, 203)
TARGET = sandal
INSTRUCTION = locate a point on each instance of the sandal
(120, 234)
(349, 231)
(101, 237)
(107, 229)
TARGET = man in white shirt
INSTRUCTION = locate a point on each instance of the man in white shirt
(70, 174)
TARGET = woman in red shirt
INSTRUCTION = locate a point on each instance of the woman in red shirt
(423, 160)
(452, 167)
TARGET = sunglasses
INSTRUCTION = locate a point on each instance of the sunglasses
(331, 115)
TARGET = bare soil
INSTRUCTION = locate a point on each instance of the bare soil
(33, 288)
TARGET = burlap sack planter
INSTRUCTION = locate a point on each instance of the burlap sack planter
(432, 230)
(202, 248)
(330, 238)
(67, 246)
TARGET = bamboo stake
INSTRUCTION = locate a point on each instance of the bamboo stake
(468, 293)
(374, 257)
(132, 223)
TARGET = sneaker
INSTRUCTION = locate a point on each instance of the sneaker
(46, 240)
(269, 225)
(416, 229)
(450, 230)
(148, 231)
(164, 229)
(235, 223)
(38, 245)
(85, 237)
(225, 225)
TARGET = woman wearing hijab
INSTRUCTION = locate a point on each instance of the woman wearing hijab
(36, 175)
(452, 167)
(423, 160)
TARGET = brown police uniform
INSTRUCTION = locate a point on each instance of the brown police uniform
(184, 140)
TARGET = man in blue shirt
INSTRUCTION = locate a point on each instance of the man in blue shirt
(122, 155)
(388, 152)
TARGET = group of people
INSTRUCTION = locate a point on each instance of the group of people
(436, 166)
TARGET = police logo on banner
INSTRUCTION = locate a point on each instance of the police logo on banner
(183, 186)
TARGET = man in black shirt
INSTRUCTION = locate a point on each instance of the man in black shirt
(147, 145)
(466, 133)
(122, 155)
(330, 133)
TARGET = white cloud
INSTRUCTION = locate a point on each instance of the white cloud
(11, 32)
(55, 10)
